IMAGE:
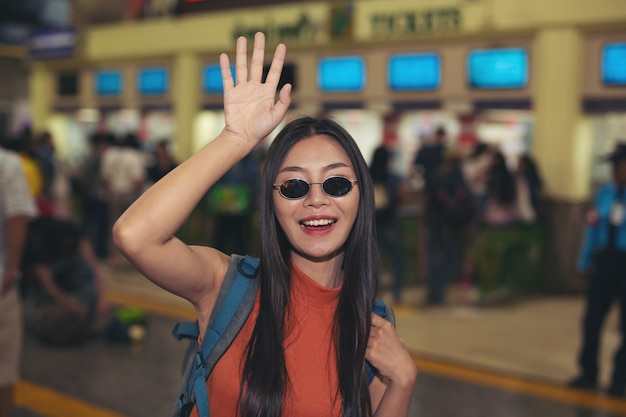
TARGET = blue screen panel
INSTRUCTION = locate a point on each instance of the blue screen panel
(414, 72)
(153, 81)
(108, 83)
(342, 74)
(614, 64)
(498, 68)
(212, 78)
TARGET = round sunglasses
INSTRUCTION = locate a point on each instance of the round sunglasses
(296, 188)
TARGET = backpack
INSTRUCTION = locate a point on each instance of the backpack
(232, 308)
(451, 199)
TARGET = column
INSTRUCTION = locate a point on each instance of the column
(186, 101)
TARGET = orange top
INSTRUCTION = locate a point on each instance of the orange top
(309, 355)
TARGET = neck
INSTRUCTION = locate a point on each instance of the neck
(326, 272)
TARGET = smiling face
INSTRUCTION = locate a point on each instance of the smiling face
(318, 224)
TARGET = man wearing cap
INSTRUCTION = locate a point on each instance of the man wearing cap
(603, 255)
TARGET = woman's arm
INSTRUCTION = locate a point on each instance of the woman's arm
(145, 232)
(390, 391)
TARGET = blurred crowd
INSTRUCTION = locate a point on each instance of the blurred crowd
(465, 191)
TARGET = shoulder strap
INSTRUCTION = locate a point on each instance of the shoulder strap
(232, 308)
(383, 310)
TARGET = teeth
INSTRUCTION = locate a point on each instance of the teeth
(314, 223)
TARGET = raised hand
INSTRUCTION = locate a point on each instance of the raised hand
(251, 110)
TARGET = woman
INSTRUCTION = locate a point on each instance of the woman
(318, 263)
(388, 221)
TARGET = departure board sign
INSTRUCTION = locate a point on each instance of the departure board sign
(498, 68)
(614, 64)
(153, 81)
(212, 78)
(341, 74)
(108, 83)
(413, 72)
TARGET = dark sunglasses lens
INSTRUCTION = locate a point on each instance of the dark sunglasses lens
(337, 186)
(294, 188)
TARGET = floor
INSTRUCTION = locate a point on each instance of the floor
(509, 359)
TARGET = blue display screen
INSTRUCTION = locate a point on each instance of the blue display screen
(212, 78)
(341, 74)
(614, 64)
(498, 68)
(414, 72)
(153, 81)
(108, 83)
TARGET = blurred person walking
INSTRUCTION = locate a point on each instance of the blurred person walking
(92, 193)
(17, 206)
(603, 257)
(450, 211)
(430, 156)
(388, 191)
(232, 202)
(162, 162)
(124, 175)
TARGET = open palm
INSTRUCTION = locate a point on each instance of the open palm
(251, 110)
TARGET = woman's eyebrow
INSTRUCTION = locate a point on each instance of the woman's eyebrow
(326, 168)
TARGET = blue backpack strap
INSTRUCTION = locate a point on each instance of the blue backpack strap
(232, 308)
(383, 310)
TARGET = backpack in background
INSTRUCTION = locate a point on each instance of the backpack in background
(452, 200)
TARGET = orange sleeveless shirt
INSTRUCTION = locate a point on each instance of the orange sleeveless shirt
(309, 355)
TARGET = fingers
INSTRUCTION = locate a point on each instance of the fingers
(273, 76)
(241, 60)
(284, 99)
(258, 52)
(227, 75)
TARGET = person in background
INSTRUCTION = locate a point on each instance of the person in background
(387, 198)
(449, 213)
(17, 206)
(529, 171)
(501, 204)
(303, 348)
(61, 285)
(232, 201)
(603, 257)
(162, 162)
(22, 145)
(431, 155)
(92, 193)
(123, 173)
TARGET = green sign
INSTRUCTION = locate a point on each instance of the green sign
(303, 30)
(415, 22)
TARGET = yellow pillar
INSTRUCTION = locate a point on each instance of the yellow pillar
(41, 90)
(186, 101)
(561, 135)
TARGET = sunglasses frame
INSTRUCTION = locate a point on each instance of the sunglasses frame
(279, 186)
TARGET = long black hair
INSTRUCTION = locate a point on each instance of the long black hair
(265, 376)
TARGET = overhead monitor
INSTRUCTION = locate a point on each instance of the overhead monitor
(412, 72)
(212, 78)
(614, 64)
(108, 83)
(153, 81)
(498, 68)
(341, 74)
